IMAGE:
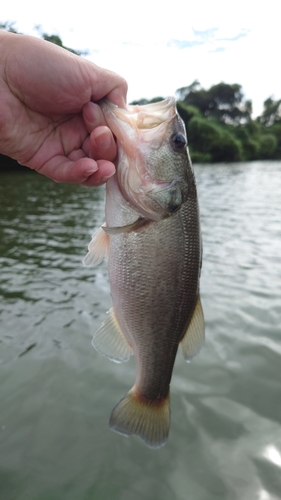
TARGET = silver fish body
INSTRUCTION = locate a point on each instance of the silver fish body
(153, 243)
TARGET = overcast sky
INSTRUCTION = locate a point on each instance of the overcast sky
(159, 47)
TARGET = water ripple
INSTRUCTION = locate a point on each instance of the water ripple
(56, 391)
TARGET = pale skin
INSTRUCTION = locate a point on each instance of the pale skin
(50, 120)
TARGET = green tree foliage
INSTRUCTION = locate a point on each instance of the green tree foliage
(267, 146)
(221, 102)
(220, 126)
(249, 144)
(214, 141)
(276, 131)
(271, 112)
(58, 41)
(187, 112)
(143, 101)
(9, 26)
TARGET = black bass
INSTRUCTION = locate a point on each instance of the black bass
(152, 240)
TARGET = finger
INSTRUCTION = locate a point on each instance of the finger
(110, 85)
(105, 171)
(76, 155)
(83, 171)
(102, 144)
(118, 95)
(93, 116)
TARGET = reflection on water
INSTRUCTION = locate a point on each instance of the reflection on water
(56, 392)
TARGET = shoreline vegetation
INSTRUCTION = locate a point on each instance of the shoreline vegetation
(218, 120)
(220, 127)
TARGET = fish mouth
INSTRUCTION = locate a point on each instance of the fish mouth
(145, 116)
(148, 122)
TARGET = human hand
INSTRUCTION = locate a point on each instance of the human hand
(48, 121)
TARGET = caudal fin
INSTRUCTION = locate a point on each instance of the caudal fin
(150, 420)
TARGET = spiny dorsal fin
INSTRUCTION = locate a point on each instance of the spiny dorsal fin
(195, 333)
(110, 341)
(97, 249)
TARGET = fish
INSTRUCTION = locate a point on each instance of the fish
(152, 240)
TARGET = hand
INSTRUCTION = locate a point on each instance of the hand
(48, 121)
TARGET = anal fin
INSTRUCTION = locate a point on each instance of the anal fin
(195, 333)
(110, 341)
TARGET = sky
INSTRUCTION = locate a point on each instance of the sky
(160, 47)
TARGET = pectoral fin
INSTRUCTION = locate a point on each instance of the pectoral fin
(97, 249)
(110, 341)
(135, 226)
(195, 333)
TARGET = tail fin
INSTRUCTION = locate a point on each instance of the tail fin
(150, 420)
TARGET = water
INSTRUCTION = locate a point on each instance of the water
(56, 392)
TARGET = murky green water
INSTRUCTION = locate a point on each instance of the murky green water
(56, 392)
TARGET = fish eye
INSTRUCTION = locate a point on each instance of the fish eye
(178, 142)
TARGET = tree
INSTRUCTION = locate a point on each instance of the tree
(8, 26)
(222, 102)
(58, 41)
(187, 112)
(143, 101)
(271, 112)
(267, 146)
(248, 140)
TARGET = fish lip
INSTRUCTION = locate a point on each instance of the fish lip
(144, 117)
(131, 108)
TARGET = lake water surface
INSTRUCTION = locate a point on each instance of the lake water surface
(57, 392)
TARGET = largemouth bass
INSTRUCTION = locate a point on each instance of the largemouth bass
(152, 240)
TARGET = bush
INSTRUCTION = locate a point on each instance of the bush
(208, 137)
(187, 112)
(197, 157)
(267, 146)
(250, 146)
